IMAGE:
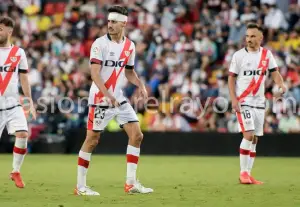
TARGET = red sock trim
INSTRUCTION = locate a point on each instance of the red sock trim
(132, 158)
(20, 150)
(84, 163)
(244, 152)
(252, 154)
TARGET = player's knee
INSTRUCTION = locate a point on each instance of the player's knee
(22, 134)
(138, 137)
(92, 143)
(255, 140)
(93, 140)
(249, 136)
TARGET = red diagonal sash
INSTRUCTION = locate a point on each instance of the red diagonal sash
(14, 61)
(264, 64)
(254, 86)
(111, 82)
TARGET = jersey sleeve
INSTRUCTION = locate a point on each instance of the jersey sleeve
(23, 65)
(234, 69)
(130, 63)
(272, 63)
(96, 53)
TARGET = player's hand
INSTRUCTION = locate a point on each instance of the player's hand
(282, 89)
(32, 110)
(143, 92)
(235, 106)
(114, 102)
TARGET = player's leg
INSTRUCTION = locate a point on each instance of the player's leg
(17, 125)
(128, 120)
(84, 158)
(259, 123)
(98, 118)
(133, 150)
(246, 126)
(252, 154)
(2, 121)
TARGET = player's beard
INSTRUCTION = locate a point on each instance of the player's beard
(113, 32)
(3, 40)
(251, 45)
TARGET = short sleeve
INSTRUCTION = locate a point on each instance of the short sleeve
(96, 53)
(234, 69)
(272, 63)
(23, 65)
(130, 63)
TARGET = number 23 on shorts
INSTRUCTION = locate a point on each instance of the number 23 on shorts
(99, 113)
(98, 117)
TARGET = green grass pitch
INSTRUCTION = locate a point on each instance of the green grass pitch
(177, 181)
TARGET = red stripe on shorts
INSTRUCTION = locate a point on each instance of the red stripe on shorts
(240, 119)
(132, 159)
(20, 150)
(90, 120)
(84, 163)
(244, 152)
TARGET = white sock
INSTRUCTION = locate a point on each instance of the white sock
(20, 150)
(251, 158)
(132, 155)
(244, 154)
(84, 159)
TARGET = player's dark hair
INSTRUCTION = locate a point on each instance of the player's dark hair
(7, 21)
(118, 9)
(255, 26)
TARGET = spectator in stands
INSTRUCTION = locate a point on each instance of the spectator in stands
(289, 123)
(181, 50)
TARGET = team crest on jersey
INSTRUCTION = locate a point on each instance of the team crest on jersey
(264, 63)
(13, 59)
(96, 50)
(127, 53)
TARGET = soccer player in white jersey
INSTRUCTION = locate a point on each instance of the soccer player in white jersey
(112, 59)
(13, 65)
(249, 68)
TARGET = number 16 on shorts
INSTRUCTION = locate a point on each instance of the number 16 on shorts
(246, 120)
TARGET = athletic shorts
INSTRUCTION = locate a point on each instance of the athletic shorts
(100, 116)
(251, 119)
(14, 119)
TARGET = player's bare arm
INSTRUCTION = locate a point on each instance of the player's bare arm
(134, 79)
(95, 71)
(279, 81)
(27, 93)
(234, 100)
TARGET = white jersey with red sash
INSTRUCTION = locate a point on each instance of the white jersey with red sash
(251, 69)
(12, 61)
(114, 58)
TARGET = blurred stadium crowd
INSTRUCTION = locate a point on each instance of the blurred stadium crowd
(184, 49)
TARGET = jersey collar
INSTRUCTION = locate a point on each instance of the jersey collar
(109, 37)
(248, 51)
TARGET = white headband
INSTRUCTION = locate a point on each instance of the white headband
(114, 16)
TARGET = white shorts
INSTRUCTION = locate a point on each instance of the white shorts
(251, 119)
(100, 116)
(14, 119)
